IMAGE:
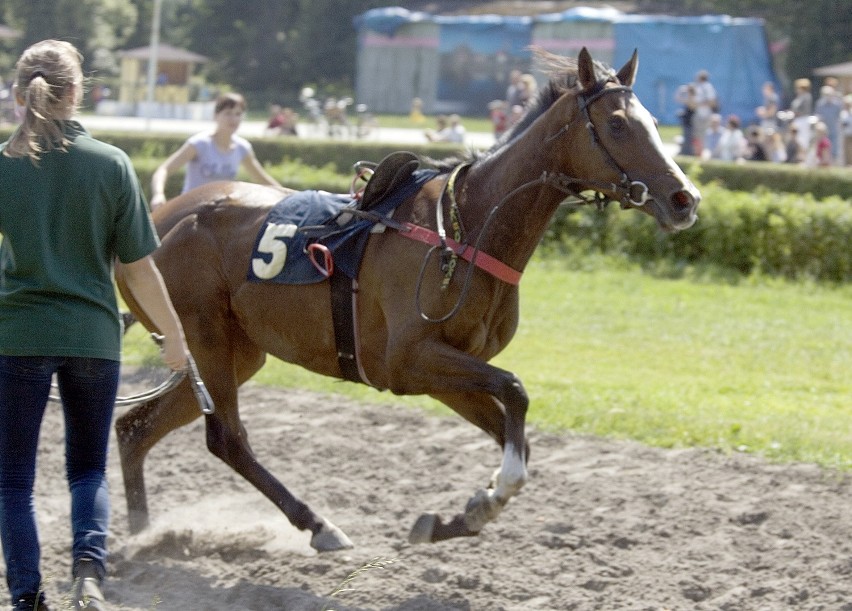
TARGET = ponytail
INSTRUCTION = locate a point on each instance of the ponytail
(46, 73)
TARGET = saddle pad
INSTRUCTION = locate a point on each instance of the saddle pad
(281, 251)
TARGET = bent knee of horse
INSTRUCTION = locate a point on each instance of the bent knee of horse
(127, 427)
(220, 439)
(215, 433)
(514, 395)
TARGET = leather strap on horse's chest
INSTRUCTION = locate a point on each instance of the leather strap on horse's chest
(482, 260)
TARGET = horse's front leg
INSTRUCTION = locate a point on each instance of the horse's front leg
(502, 415)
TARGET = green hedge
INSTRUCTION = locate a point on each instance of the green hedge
(293, 174)
(341, 155)
(754, 217)
(787, 178)
(820, 183)
(787, 235)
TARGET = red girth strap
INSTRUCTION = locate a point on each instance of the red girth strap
(484, 261)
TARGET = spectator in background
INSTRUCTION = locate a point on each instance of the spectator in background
(755, 150)
(792, 149)
(276, 120)
(457, 130)
(441, 131)
(827, 109)
(819, 152)
(832, 81)
(515, 114)
(732, 143)
(768, 111)
(773, 144)
(416, 115)
(712, 137)
(686, 97)
(291, 120)
(449, 129)
(528, 90)
(513, 91)
(846, 131)
(802, 107)
(212, 155)
(706, 103)
(498, 116)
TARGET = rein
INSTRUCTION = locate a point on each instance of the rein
(633, 193)
(202, 396)
(473, 254)
(173, 380)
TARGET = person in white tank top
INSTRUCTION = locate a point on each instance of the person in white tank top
(213, 155)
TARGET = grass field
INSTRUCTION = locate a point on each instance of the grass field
(759, 366)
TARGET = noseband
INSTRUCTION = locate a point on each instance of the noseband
(630, 192)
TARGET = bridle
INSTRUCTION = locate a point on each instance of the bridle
(629, 192)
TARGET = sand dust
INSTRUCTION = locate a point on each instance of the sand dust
(601, 524)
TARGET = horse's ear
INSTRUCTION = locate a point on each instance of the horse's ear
(586, 70)
(627, 74)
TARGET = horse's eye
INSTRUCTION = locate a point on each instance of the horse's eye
(617, 124)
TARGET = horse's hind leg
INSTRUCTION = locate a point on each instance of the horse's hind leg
(138, 431)
(504, 421)
(227, 440)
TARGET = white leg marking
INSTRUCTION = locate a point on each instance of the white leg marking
(512, 475)
(486, 505)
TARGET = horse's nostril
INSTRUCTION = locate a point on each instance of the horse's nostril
(682, 199)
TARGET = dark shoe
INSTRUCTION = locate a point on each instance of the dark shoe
(86, 590)
(31, 603)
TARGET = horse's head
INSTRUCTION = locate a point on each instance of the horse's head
(622, 155)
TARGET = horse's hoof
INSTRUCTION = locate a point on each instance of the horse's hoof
(423, 528)
(329, 538)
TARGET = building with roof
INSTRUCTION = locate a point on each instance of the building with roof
(842, 72)
(173, 93)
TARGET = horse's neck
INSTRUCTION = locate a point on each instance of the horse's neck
(520, 219)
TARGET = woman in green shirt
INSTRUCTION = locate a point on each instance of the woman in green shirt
(70, 205)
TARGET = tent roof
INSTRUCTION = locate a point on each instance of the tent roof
(389, 19)
(844, 69)
(165, 53)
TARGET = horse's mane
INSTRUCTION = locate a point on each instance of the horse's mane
(563, 76)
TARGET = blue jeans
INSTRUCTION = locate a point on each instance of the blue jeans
(88, 389)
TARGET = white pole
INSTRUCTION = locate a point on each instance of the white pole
(152, 60)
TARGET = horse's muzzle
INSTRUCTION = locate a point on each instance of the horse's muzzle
(683, 204)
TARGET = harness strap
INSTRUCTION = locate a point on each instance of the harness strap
(482, 260)
(342, 316)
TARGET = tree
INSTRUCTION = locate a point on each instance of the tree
(268, 49)
(96, 27)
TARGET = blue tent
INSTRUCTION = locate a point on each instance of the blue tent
(672, 50)
(460, 63)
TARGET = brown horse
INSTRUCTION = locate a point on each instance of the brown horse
(420, 330)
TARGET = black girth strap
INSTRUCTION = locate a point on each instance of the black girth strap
(343, 318)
